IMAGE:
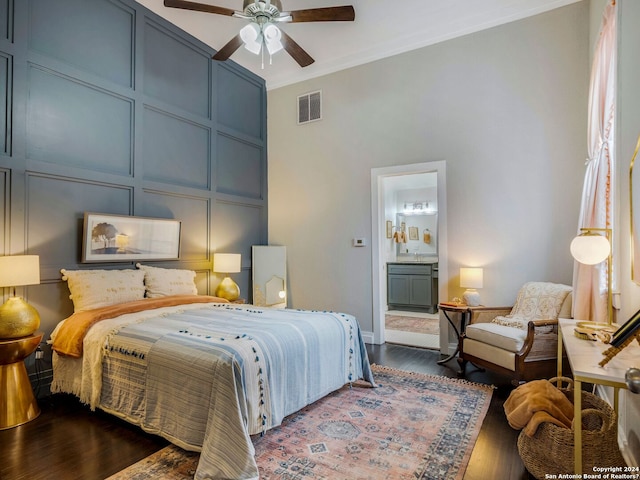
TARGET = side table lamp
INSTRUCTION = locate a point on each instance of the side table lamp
(17, 317)
(18, 322)
(471, 278)
(227, 263)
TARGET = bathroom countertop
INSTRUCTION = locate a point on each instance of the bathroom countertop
(422, 261)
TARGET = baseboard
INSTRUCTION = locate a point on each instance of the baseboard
(367, 337)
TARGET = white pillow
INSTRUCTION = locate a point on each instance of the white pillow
(100, 288)
(162, 282)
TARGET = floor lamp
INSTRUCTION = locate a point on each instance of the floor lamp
(591, 248)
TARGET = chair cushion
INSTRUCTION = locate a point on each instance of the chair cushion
(535, 301)
(507, 338)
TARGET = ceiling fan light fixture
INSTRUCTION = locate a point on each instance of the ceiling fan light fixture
(273, 38)
(252, 38)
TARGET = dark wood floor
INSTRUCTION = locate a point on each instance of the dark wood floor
(67, 441)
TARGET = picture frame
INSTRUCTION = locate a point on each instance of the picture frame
(124, 238)
(389, 229)
(413, 233)
(623, 333)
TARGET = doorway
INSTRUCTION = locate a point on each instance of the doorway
(382, 211)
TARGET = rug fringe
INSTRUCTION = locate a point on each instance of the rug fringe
(462, 381)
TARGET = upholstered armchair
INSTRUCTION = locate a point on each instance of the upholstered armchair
(520, 342)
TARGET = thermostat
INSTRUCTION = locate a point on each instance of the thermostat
(359, 242)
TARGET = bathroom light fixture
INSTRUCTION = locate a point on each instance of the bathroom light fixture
(227, 263)
(417, 208)
(471, 278)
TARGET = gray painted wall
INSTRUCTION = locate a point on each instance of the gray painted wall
(106, 107)
(505, 108)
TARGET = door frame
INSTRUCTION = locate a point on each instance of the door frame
(378, 232)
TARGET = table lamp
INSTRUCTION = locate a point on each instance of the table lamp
(17, 317)
(591, 248)
(227, 263)
(471, 278)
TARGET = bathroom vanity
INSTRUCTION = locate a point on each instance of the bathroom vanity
(412, 286)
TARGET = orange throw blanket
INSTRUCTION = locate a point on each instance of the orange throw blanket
(68, 340)
(535, 402)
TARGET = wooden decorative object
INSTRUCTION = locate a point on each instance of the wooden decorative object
(611, 352)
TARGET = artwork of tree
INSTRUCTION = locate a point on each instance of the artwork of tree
(104, 232)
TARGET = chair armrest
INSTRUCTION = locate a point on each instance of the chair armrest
(543, 322)
(486, 314)
(535, 327)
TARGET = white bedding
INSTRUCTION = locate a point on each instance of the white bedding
(291, 358)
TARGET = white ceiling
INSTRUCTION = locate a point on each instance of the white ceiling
(381, 29)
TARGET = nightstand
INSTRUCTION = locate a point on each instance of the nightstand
(17, 403)
(464, 311)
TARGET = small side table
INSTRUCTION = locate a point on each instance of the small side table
(17, 403)
(465, 314)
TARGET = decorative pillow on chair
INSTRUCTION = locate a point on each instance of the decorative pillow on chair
(535, 301)
(100, 288)
(162, 282)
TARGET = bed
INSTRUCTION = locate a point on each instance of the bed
(199, 371)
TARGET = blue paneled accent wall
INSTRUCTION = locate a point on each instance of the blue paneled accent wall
(106, 107)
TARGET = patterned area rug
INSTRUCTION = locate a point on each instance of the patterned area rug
(412, 426)
(412, 324)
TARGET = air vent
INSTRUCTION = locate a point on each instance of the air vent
(309, 107)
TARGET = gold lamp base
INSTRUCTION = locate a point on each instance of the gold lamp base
(18, 318)
(228, 289)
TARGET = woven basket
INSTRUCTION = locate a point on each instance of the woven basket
(550, 450)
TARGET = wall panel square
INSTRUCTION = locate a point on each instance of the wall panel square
(4, 196)
(240, 103)
(96, 36)
(239, 168)
(176, 151)
(176, 72)
(236, 227)
(5, 19)
(192, 212)
(74, 124)
(5, 105)
(55, 212)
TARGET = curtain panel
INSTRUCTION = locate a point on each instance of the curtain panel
(596, 211)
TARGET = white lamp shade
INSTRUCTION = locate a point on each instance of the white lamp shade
(250, 36)
(590, 249)
(17, 270)
(227, 262)
(471, 277)
(272, 37)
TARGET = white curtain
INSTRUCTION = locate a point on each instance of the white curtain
(590, 282)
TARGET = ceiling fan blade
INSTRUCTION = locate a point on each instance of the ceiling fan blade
(326, 14)
(198, 7)
(295, 50)
(232, 45)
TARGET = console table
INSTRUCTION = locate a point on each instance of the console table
(584, 356)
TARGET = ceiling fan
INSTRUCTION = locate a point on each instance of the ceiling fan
(262, 33)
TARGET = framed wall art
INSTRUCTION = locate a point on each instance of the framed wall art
(120, 238)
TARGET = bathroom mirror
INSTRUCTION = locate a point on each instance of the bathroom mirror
(421, 235)
(634, 209)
